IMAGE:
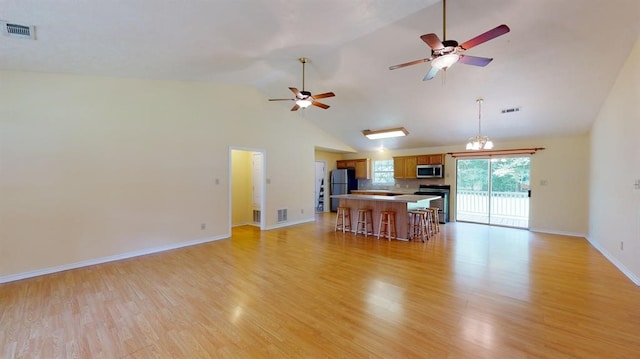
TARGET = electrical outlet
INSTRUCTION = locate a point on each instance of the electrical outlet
(217, 180)
(544, 182)
(301, 210)
(622, 245)
(203, 226)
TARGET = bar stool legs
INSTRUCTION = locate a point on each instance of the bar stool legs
(364, 224)
(387, 225)
(436, 219)
(343, 219)
(418, 225)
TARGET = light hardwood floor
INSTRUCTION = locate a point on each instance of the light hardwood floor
(308, 292)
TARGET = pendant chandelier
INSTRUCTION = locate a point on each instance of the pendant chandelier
(479, 142)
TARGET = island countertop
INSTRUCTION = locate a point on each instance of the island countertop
(404, 198)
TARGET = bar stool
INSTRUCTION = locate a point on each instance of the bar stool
(418, 225)
(387, 225)
(436, 219)
(364, 224)
(343, 219)
(430, 226)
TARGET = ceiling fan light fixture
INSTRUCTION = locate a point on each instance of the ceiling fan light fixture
(445, 61)
(303, 103)
(388, 133)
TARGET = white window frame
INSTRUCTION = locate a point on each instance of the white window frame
(389, 173)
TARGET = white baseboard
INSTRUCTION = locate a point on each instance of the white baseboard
(615, 262)
(39, 272)
(287, 224)
(550, 231)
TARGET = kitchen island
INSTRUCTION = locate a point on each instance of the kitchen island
(401, 204)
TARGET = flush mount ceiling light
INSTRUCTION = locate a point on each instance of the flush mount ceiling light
(388, 133)
(479, 142)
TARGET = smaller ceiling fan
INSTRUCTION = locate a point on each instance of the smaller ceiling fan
(445, 53)
(304, 98)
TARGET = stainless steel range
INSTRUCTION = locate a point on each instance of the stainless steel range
(441, 190)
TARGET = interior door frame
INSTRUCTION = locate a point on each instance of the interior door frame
(263, 195)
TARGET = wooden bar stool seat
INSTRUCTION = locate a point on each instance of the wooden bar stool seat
(343, 219)
(364, 223)
(387, 225)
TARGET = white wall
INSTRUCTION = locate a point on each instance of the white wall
(614, 215)
(561, 206)
(95, 167)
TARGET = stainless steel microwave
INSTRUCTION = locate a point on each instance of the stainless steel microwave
(430, 171)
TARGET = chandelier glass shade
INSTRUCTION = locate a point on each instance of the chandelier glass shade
(479, 142)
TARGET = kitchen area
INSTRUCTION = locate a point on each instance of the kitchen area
(414, 178)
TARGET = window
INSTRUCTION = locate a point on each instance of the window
(383, 172)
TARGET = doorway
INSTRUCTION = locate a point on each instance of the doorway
(246, 187)
(320, 186)
(493, 191)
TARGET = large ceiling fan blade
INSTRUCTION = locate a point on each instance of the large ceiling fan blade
(433, 41)
(431, 74)
(295, 107)
(282, 99)
(295, 92)
(319, 104)
(491, 34)
(474, 60)
(410, 63)
(323, 95)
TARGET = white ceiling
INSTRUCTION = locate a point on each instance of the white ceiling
(557, 64)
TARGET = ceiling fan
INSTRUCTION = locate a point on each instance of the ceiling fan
(445, 53)
(304, 98)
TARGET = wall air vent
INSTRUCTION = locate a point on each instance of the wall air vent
(256, 216)
(510, 110)
(18, 31)
(282, 215)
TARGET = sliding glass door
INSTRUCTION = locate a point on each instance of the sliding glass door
(493, 191)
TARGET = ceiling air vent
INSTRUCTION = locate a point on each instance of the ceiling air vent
(18, 31)
(510, 110)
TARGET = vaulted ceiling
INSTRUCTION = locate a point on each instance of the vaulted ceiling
(556, 65)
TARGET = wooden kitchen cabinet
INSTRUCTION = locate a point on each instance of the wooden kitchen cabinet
(363, 170)
(433, 159)
(342, 164)
(361, 165)
(405, 167)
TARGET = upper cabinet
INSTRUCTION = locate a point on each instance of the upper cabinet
(361, 165)
(405, 166)
(435, 159)
(342, 164)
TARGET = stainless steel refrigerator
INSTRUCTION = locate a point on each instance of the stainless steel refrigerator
(343, 181)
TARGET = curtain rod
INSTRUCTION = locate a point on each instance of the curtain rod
(490, 153)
